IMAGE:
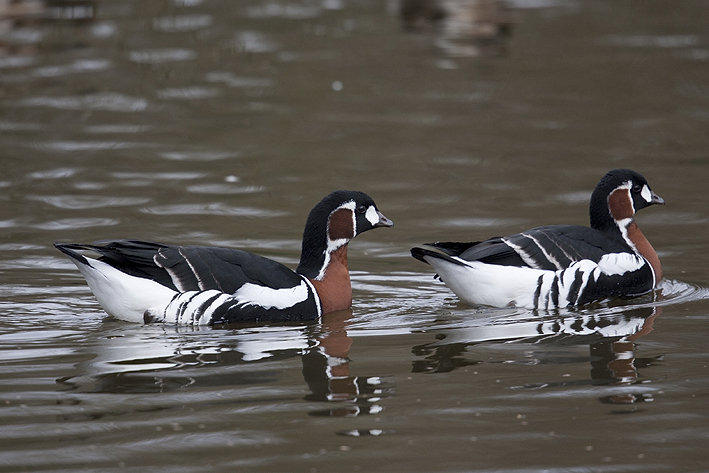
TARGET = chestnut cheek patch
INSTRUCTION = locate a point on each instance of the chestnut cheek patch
(341, 225)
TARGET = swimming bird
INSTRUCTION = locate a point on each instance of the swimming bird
(141, 281)
(559, 265)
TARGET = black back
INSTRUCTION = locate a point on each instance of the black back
(190, 268)
(552, 247)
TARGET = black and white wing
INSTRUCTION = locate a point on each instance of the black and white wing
(192, 268)
(553, 248)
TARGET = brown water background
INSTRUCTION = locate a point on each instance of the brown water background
(221, 122)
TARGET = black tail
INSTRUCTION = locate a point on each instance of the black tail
(132, 257)
(444, 251)
(68, 249)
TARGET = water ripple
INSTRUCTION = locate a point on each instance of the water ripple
(188, 93)
(160, 56)
(73, 223)
(76, 202)
(117, 128)
(216, 208)
(255, 42)
(108, 101)
(479, 222)
(202, 155)
(58, 173)
(224, 189)
(181, 23)
(653, 41)
(83, 65)
(169, 176)
(87, 145)
(276, 10)
(10, 126)
(233, 81)
(16, 61)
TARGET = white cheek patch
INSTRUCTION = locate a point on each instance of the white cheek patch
(646, 193)
(372, 215)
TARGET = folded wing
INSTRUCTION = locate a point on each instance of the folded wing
(551, 248)
(192, 268)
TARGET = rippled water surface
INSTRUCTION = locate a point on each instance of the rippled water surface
(219, 122)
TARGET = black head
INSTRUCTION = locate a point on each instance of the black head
(333, 222)
(620, 194)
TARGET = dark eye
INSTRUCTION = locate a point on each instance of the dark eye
(361, 209)
(637, 188)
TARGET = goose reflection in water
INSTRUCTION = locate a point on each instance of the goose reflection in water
(611, 339)
(21, 15)
(326, 369)
(247, 362)
(463, 28)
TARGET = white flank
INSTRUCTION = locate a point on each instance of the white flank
(489, 284)
(121, 295)
(183, 308)
(617, 264)
(268, 298)
(502, 286)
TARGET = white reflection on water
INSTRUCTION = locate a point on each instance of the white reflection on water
(10, 126)
(188, 93)
(653, 41)
(88, 145)
(74, 223)
(181, 23)
(573, 197)
(16, 61)
(159, 56)
(231, 80)
(254, 42)
(224, 189)
(479, 222)
(215, 208)
(58, 173)
(83, 65)
(103, 29)
(169, 176)
(276, 10)
(108, 101)
(31, 262)
(117, 128)
(202, 155)
(567, 324)
(9, 223)
(81, 202)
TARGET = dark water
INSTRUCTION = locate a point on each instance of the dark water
(218, 122)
